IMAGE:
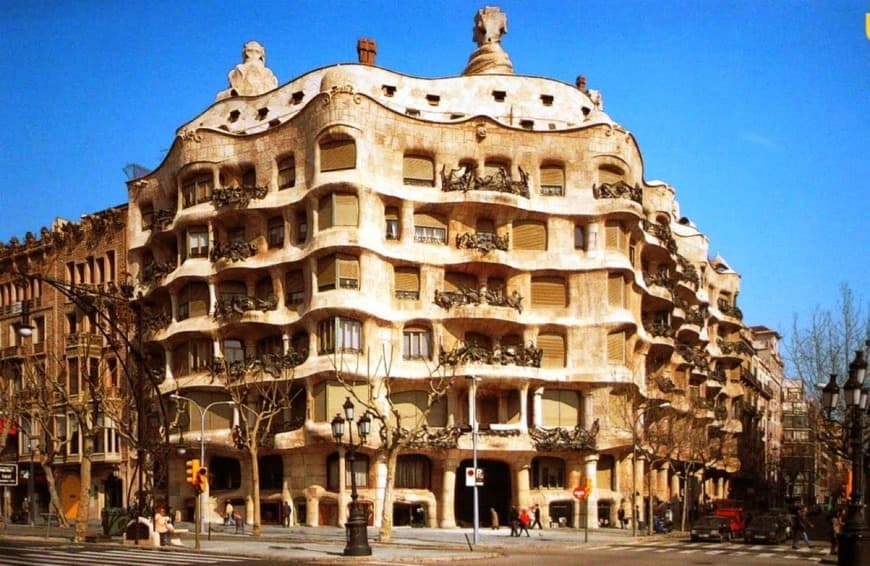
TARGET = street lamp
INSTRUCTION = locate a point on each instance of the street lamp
(199, 518)
(357, 523)
(640, 410)
(854, 537)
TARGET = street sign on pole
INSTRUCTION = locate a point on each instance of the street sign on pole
(580, 492)
(8, 474)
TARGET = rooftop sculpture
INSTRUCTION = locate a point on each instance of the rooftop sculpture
(250, 77)
(490, 24)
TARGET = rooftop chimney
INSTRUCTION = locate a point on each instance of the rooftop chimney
(581, 83)
(367, 49)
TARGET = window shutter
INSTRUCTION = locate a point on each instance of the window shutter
(294, 283)
(615, 290)
(616, 348)
(560, 407)
(324, 213)
(199, 299)
(429, 221)
(549, 292)
(417, 170)
(552, 177)
(326, 273)
(337, 155)
(407, 279)
(609, 174)
(530, 235)
(348, 267)
(287, 172)
(391, 213)
(554, 350)
(613, 235)
(346, 210)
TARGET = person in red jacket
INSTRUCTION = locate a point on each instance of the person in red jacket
(524, 522)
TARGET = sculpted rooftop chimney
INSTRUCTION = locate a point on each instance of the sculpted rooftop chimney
(490, 24)
(367, 50)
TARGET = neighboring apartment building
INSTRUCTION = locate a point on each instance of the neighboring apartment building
(799, 447)
(47, 377)
(492, 225)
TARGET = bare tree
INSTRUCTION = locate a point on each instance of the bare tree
(399, 429)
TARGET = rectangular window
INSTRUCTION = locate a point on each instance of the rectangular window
(616, 348)
(295, 285)
(418, 170)
(579, 238)
(197, 189)
(407, 281)
(337, 155)
(340, 334)
(429, 229)
(391, 217)
(549, 292)
(301, 228)
(552, 181)
(338, 210)
(560, 408)
(197, 242)
(287, 172)
(529, 235)
(417, 344)
(276, 232)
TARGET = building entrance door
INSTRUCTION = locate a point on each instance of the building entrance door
(495, 493)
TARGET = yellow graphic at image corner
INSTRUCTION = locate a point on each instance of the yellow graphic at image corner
(867, 24)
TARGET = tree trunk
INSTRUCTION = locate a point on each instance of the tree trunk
(52, 492)
(81, 528)
(255, 488)
(386, 533)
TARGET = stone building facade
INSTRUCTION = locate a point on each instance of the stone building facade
(491, 229)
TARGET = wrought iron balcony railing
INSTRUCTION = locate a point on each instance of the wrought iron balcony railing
(483, 296)
(526, 356)
(728, 309)
(483, 241)
(237, 305)
(239, 196)
(575, 439)
(465, 179)
(232, 251)
(619, 189)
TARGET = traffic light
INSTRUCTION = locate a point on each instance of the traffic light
(200, 484)
(192, 469)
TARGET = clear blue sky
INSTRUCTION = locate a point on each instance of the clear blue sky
(758, 113)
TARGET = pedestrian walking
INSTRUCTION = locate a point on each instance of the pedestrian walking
(493, 518)
(229, 516)
(515, 521)
(288, 514)
(524, 522)
(620, 515)
(799, 528)
(162, 525)
(839, 518)
(536, 516)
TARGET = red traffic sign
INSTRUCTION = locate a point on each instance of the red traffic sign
(580, 492)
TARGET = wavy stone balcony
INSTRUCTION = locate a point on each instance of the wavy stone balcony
(728, 309)
(482, 296)
(240, 197)
(662, 233)
(232, 251)
(154, 320)
(659, 328)
(694, 356)
(237, 305)
(524, 356)
(619, 189)
(483, 241)
(154, 271)
(465, 179)
(161, 218)
(734, 348)
(687, 272)
(273, 364)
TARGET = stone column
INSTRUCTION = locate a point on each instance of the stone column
(524, 408)
(536, 407)
(522, 496)
(380, 488)
(588, 410)
(343, 498)
(590, 469)
(448, 487)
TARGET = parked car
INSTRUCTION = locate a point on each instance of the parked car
(737, 517)
(767, 527)
(711, 527)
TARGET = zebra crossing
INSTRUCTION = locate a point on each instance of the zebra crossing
(687, 548)
(70, 555)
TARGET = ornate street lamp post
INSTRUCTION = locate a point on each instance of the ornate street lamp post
(855, 536)
(357, 523)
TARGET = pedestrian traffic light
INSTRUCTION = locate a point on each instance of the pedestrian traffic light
(192, 469)
(200, 484)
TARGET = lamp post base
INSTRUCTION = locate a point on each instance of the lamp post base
(357, 533)
(854, 541)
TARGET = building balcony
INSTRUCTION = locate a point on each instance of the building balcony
(729, 310)
(232, 251)
(483, 241)
(239, 197)
(154, 271)
(558, 438)
(734, 348)
(465, 353)
(619, 189)
(696, 357)
(662, 233)
(82, 339)
(484, 296)
(687, 273)
(465, 179)
(237, 305)
(659, 279)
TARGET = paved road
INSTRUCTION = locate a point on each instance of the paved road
(22, 553)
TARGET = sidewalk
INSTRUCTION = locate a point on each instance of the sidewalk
(326, 544)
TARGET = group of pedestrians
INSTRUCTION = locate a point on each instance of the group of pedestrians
(520, 520)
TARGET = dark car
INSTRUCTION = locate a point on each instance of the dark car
(711, 527)
(767, 527)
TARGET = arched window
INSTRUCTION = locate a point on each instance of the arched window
(337, 154)
(197, 188)
(418, 170)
